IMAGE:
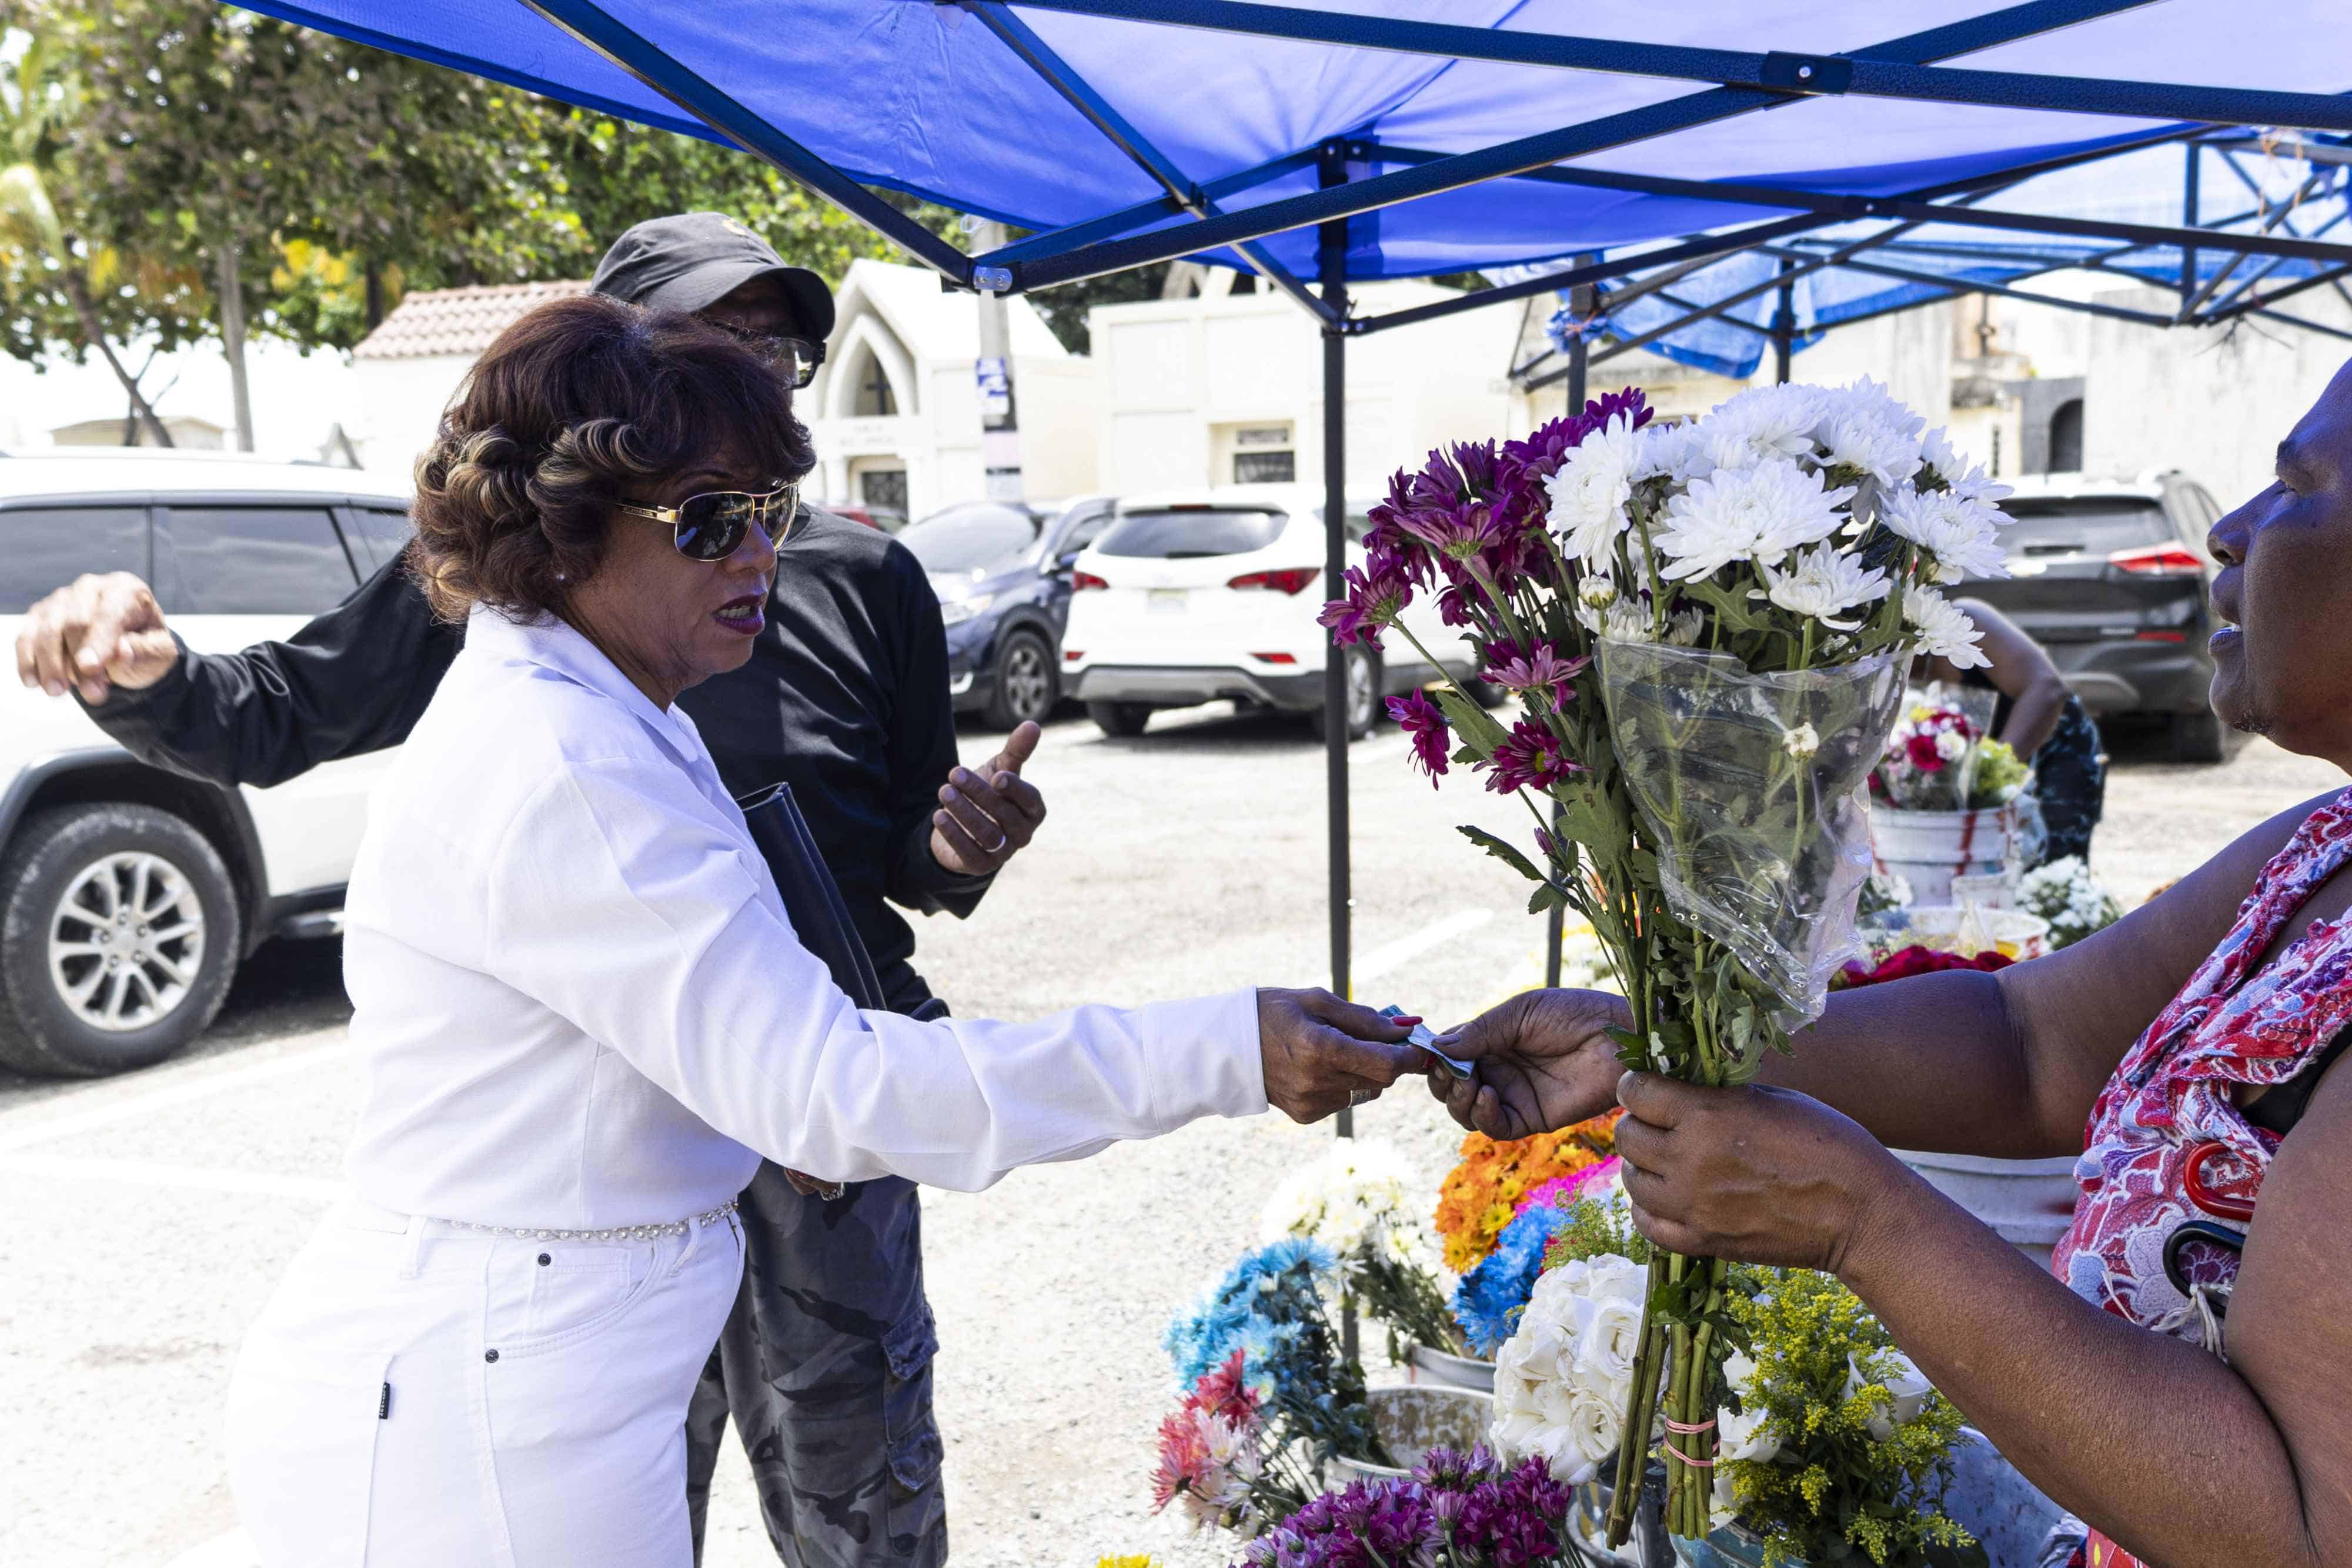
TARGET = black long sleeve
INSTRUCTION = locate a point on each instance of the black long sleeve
(355, 680)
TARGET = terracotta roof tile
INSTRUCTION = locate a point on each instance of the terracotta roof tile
(457, 320)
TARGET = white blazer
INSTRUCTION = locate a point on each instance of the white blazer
(580, 1003)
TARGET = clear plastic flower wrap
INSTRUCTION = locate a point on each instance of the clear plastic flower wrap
(1751, 788)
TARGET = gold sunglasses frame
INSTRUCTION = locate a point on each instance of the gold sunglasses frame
(764, 504)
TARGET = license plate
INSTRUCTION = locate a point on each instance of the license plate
(1166, 601)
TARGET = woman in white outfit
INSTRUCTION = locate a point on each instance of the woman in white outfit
(584, 1018)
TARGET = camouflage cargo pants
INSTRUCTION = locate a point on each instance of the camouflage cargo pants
(825, 1366)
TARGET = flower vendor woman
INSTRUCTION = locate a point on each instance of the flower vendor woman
(2189, 1401)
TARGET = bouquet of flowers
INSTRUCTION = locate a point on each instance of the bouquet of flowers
(1458, 1510)
(1706, 626)
(1357, 1202)
(1490, 1298)
(1486, 1190)
(1268, 1397)
(1838, 1448)
(1937, 759)
(2063, 893)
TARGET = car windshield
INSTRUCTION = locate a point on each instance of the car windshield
(971, 538)
(1181, 533)
(2083, 525)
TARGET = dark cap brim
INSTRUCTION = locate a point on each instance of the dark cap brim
(703, 286)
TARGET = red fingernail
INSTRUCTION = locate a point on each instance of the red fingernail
(1408, 1019)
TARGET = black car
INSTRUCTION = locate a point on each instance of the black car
(2113, 578)
(1002, 570)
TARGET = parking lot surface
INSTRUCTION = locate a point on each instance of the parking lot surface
(149, 1216)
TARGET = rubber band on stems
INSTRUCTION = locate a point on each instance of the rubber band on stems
(1688, 1428)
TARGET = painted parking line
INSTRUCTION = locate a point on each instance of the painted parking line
(23, 1129)
(234, 1550)
(172, 1178)
(1391, 956)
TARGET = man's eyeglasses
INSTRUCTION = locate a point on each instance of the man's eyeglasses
(710, 527)
(794, 359)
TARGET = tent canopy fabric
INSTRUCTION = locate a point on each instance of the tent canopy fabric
(932, 99)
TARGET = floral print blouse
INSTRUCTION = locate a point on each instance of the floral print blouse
(2176, 1091)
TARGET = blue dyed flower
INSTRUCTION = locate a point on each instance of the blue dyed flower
(1490, 1297)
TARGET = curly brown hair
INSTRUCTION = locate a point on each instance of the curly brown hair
(582, 402)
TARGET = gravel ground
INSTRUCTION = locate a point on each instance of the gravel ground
(149, 1216)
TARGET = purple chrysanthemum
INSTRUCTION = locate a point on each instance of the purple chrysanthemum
(1423, 720)
(1533, 756)
(1532, 666)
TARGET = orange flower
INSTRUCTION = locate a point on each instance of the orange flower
(1482, 1194)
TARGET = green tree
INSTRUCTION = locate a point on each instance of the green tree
(307, 181)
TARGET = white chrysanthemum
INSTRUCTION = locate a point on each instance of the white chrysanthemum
(1965, 479)
(1856, 441)
(1362, 1193)
(1589, 492)
(1675, 452)
(1958, 533)
(1597, 592)
(1942, 630)
(1761, 424)
(1753, 514)
(1801, 742)
(1683, 628)
(1869, 402)
(1824, 583)
(1624, 620)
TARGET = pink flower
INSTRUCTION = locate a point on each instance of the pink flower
(1563, 1191)
(1422, 719)
(1532, 756)
(1374, 598)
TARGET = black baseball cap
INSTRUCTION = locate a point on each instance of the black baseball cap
(693, 260)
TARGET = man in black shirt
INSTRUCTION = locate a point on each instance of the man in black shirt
(826, 1363)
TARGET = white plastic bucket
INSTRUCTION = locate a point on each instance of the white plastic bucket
(2028, 1203)
(1928, 849)
(1447, 1371)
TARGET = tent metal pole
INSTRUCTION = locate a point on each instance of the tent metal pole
(1970, 286)
(1582, 301)
(2188, 210)
(1057, 74)
(1331, 246)
(1142, 214)
(1784, 323)
(633, 52)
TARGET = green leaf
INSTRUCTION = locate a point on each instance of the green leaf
(1548, 896)
(1502, 850)
(1475, 725)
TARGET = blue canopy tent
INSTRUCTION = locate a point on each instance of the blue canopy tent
(1369, 139)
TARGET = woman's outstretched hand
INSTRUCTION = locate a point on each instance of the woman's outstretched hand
(1322, 1054)
(1754, 1174)
(1542, 1060)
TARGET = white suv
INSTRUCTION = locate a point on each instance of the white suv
(1190, 596)
(128, 894)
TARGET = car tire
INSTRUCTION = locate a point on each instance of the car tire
(1485, 693)
(68, 869)
(1363, 695)
(1124, 720)
(2199, 738)
(1027, 686)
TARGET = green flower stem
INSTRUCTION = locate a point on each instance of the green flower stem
(1633, 1443)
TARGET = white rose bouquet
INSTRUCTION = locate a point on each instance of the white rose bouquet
(1706, 626)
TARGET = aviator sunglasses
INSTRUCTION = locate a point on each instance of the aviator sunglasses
(710, 527)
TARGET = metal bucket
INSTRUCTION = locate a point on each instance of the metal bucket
(2029, 1203)
(1413, 1420)
(1928, 849)
(1436, 1367)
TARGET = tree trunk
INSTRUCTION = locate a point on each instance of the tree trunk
(374, 294)
(230, 289)
(78, 292)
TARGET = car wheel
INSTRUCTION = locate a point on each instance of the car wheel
(1026, 682)
(119, 933)
(2199, 738)
(1125, 720)
(1485, 693)
(1363, 695)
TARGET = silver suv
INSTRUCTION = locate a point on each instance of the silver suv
(128, 894)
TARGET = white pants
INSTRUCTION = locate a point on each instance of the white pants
(419, 1397)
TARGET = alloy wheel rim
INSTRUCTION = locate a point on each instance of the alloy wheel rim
(126, 942)
(1359, 690)
(1024, 681)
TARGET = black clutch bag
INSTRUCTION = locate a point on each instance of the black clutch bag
(811, 900)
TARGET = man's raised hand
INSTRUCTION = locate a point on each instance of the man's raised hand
(94, 635)
(985, 818)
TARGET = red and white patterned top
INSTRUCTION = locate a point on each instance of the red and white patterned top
(2176, 1089)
